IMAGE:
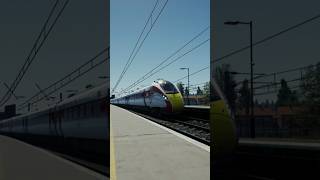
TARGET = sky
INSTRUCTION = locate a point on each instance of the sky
(296, 48)
(179, 22)
(81, 32)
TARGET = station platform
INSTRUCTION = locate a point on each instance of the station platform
(309, 150)
(196, 107)
(143, 150)
(19, 160)
(281, 143)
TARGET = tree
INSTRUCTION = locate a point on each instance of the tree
(186, 91)
(206, 89)
(180, 87)
(311, 88)
(244, 98)
(266, 103)
(227, 83)
(285, 96)
(256, 103)
(199, 91)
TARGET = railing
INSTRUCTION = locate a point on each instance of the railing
(285, 126)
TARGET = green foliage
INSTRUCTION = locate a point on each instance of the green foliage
(199, 91)
(244, 98)
(186, 91)
(206, 89)
(180, 87)
(286, 97)
(311, 88)
(227, 83)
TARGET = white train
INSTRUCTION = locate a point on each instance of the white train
(83, 116)
(161, 96)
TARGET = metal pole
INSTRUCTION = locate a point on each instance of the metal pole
(188, 88)
(252, 100)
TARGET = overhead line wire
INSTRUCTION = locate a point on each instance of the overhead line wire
(34, 51)
(166, 59)
(136, 52)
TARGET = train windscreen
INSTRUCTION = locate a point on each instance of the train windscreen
(168, 87)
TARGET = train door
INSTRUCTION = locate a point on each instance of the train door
(148, 98)
(53, 122)
(60, 119)
(144, 98)
(25, 125)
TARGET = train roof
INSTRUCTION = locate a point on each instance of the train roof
(76, 99)
(158, 81)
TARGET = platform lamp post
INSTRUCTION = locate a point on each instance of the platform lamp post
(252, 123)
(188, 84)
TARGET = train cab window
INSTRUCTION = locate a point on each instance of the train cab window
(168, 87)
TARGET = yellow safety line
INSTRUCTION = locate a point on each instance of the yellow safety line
(113, 173)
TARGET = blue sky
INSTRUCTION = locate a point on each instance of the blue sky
(180, 21)
(80, 33)
(296, 48)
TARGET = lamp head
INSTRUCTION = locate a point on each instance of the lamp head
(231, 22)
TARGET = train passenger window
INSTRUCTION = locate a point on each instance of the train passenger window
(78, 112)
(62, 114)
(72, 112)
(103, 106)
(85, 110)
(96, 108)
(92, 108)
(66, 114)
(88, 105)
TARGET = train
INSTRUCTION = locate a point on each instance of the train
(80, 122)
(162, 96)
(222, 124)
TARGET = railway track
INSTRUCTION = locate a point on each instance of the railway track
(194, 128)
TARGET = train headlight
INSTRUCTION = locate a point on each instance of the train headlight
(165, 97)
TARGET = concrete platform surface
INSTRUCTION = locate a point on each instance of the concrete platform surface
(19, 160)
(147, 151)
